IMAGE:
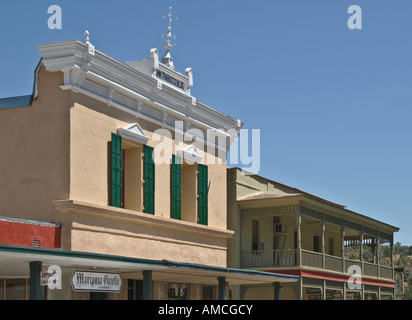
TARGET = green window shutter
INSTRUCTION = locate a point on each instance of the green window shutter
(176, 187)
(203, 194)
(149, 180)
(117, 170)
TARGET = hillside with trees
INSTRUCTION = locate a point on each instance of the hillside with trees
(403, 261)
(402, 256)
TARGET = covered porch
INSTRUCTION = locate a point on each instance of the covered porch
(292, 231)
(20, 262)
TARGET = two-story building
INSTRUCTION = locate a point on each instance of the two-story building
(337, 253)
(113, 176)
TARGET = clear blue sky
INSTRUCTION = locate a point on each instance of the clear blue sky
(334, 105)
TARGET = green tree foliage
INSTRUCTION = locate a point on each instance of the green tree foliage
(408, 293)
(402, 256)
(403, 259)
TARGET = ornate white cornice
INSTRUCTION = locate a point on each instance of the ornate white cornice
(152, 95)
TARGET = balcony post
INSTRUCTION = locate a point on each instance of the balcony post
(343, 246)
(392, 264)
(299, 288)
(361, 248)
(363, 291)
(323, 241)
(324, 289)
(299, 239)
(344, 290)
(378, 256)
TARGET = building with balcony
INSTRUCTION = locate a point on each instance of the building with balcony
(337, 253)
(113, 183)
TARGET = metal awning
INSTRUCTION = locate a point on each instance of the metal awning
(14, 263)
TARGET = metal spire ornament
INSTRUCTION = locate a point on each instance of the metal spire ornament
(90, 47)
(87, 36)
(167, 58)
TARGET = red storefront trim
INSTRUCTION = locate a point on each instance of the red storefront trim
(29, 233)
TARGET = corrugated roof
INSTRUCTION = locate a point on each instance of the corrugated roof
(270, 196)
(14, 102)
(294, 190)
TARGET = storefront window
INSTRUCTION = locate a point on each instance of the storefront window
(353, 295)
(310, 293)
(177, 291)
(333, 294)
(98, 296)
(1, 289)
(208, 292)
(15, 289)
(135, 289)
(371, 296)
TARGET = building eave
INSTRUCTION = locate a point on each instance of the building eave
(16, 102)
(118, 84)
(349, 215)
(306, 199)
(161, 268)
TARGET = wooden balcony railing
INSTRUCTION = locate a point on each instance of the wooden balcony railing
(268, 258)
(334, 263)
(288, 258)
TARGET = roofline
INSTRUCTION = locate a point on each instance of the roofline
(16, 102)
(311, 197)
(57, 56)
(364, 217)
(295, 189)
(39, 223)
(254, 198)
(25, 100)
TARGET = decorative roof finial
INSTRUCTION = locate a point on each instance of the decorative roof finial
(90, 47)
(87, 34)
(167, 58)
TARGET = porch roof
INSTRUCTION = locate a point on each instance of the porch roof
(264, 200)
(14, 262)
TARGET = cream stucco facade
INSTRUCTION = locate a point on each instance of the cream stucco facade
(90, 155)
(91, 125)
(61, 173)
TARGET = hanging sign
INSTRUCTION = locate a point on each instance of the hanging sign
(52, 277)
(96, 281)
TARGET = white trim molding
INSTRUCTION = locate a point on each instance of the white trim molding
(190, 154)
(147, 89)
(134, 132)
